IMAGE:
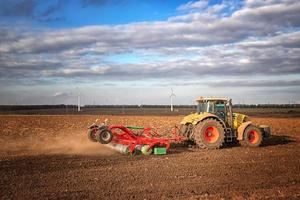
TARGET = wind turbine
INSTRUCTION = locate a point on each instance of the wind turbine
(171, 99)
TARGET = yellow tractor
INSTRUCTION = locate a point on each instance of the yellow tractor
(214, 124)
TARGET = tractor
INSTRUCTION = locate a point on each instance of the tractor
(214, 124)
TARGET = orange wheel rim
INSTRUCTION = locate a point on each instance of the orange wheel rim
(211, 134)
(253, 137)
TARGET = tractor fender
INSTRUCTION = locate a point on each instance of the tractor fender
(208, 115)
(242, 128)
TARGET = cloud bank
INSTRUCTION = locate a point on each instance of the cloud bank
(259, 39)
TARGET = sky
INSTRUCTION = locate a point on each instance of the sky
(134, 52)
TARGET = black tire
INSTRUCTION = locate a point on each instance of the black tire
(91, 133)
(252, 137)
(104, 136)
(209, 134)
(103, 127)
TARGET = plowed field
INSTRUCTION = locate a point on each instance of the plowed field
(50, 157)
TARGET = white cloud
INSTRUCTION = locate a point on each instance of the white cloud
(198, 5)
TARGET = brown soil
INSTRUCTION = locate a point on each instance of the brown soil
(50, 157)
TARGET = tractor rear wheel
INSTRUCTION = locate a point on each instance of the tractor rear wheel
(209, 134)
(252, 137)
(104, 136)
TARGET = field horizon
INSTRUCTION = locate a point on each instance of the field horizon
(159, 110)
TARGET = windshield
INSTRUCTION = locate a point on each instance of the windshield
(205, 107)
(201, 107)
(211, 107)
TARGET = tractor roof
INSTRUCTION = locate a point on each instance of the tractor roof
(212, 99)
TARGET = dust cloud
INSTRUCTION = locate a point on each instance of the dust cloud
(67, 144)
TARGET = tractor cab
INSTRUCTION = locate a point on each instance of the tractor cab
(221, 107)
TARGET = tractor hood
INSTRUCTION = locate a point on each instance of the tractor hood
(238, 119)
(196, 117)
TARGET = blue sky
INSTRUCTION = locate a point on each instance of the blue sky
(76, 13)
(127, 52)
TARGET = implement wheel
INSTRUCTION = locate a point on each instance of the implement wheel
(104, 136)
(91, 133)
(252, 137)
(209, 134)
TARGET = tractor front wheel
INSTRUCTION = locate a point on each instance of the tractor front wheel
(209, 134)
(252, 137)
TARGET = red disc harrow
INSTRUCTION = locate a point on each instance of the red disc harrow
(125, 135)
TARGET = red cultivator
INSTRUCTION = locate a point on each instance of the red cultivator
(132, 139)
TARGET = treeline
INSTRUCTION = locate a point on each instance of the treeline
(63, 106)
(34, 107)
(138, 106)
(193, 106)
(266, 105)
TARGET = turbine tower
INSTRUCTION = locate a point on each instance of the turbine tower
(171, 99)
(78, 100)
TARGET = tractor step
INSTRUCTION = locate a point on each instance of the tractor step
(229, 135)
